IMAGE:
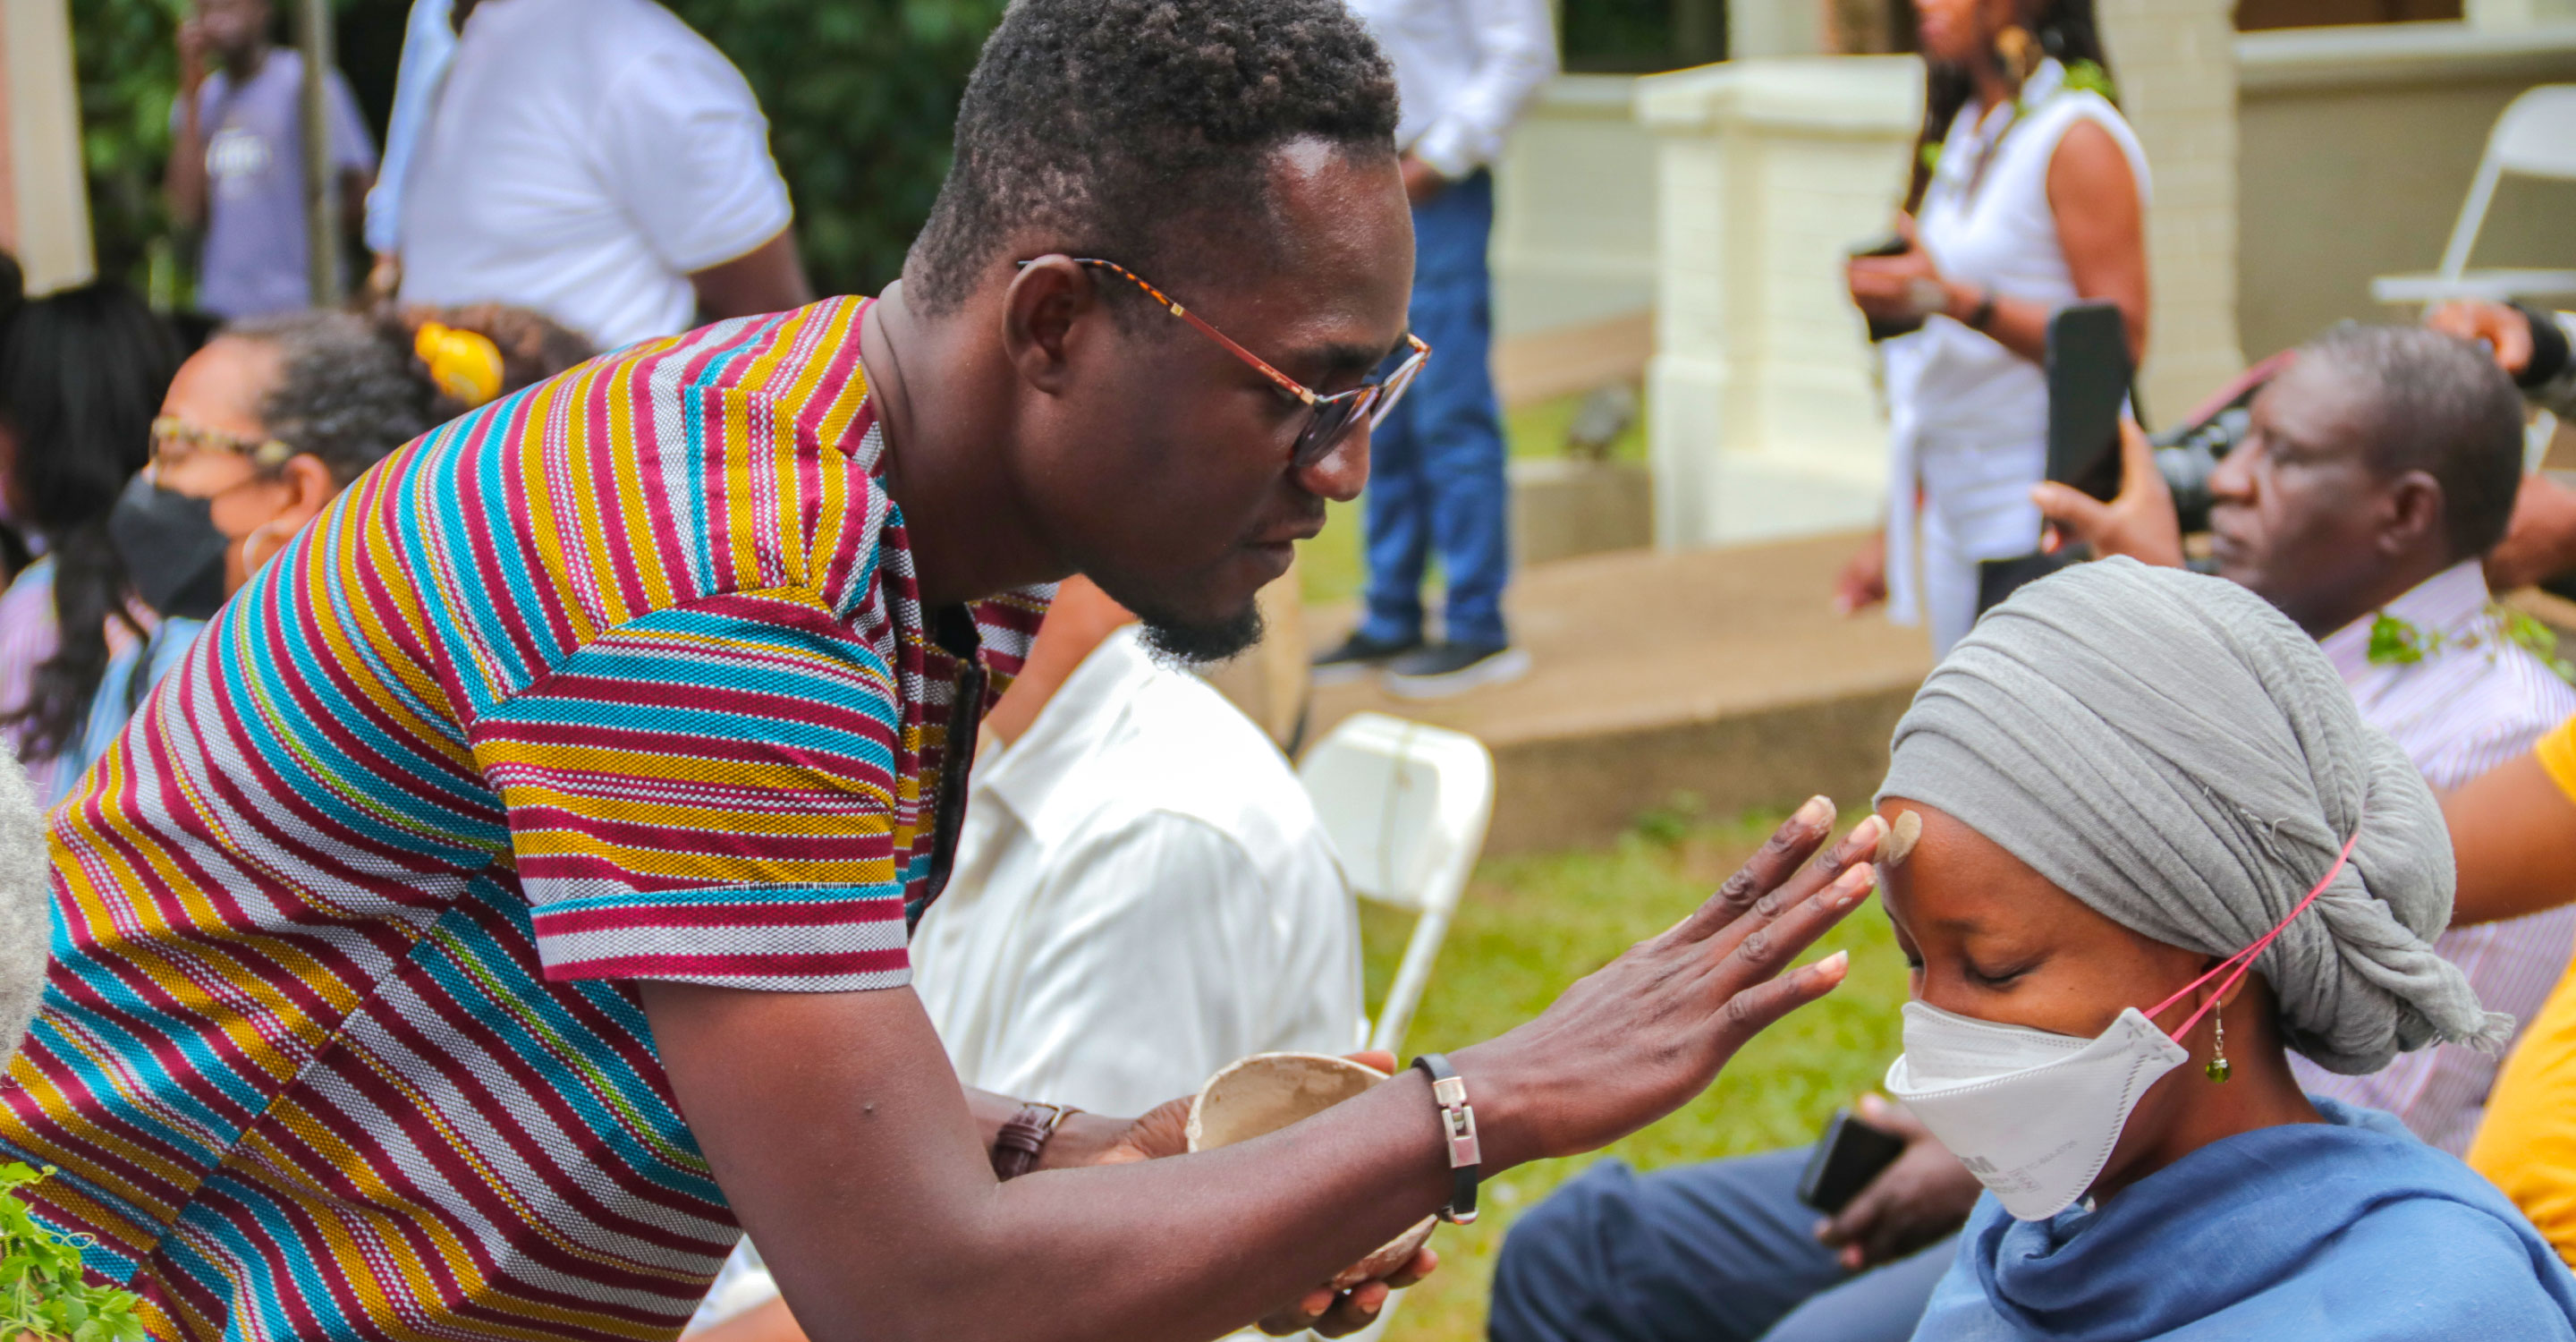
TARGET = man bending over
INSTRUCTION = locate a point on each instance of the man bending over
(505, 903)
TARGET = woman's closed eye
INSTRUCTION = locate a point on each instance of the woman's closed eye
(1995, 976)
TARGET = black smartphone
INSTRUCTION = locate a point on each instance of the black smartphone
(2088, 387)
(1847, 1157)
(1894, 244)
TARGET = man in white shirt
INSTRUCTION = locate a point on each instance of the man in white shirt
(1142, 894)
(597, 161)
(1465, 69)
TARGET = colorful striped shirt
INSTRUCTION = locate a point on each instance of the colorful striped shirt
(2472, 702)
(624, 676)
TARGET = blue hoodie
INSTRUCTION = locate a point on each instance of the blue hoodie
(2349, 1229)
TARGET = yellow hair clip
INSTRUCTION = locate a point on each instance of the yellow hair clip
(466, 365)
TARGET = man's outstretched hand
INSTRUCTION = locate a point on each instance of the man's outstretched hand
(2139, 523)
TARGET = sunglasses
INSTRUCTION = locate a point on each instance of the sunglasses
(175, 439)
(1334, 414)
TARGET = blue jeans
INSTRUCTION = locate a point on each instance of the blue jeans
(1721, 1252)
(1436, 464)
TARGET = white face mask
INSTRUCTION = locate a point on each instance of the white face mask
(2034, 1115)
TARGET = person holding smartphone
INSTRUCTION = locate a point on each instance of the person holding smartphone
(2028, 195)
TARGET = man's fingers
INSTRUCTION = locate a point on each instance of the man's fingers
(2078, 516)
(1852, 854)
(1775, 862)
(1753, 1010)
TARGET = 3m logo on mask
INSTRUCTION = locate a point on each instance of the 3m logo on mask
(1980, 1166)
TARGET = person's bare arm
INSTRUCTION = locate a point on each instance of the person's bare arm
(768, 278)
(2099, 225)
(2102, 229)
(850, 1154)
(2512, 831)
(183, 181)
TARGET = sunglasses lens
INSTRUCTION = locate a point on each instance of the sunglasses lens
(1393, 389)
(1332, 421)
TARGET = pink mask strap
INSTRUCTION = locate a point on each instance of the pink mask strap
(2242, 962)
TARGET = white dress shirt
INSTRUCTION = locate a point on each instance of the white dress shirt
(1142, 895)
(2471, 704)
(1465, 70)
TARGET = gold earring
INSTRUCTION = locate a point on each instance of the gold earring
(2017, 52)
(2218, 1070)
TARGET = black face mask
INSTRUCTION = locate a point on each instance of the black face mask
(171, 549)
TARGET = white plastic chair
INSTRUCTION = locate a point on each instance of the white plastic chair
(1406, 806)
(2536, 137)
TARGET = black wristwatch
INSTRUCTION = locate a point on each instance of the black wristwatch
(1458, 1131)
(1985, 312)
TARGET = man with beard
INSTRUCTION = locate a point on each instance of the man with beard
(506, 901)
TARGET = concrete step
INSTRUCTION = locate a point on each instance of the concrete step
(1718, 680)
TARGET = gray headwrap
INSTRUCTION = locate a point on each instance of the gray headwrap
(2172, 751)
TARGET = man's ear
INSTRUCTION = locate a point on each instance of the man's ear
(2414, 514)
(1043, 314)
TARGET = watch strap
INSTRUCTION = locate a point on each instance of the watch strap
(1017, 1145)
(1458, 1136)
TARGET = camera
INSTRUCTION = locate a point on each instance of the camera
(2186, 456)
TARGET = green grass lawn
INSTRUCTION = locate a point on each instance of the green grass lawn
(1329, 566)
(1531, 925)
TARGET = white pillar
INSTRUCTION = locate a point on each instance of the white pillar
(1758, 28)
(1764, 419)
(44, 196)
(2175, 62)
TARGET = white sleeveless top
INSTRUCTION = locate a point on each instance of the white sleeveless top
(1969, 418)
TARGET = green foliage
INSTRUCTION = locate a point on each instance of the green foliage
(2395, 642)
(126, 62)
(2529, 633)
(42, 1295)
(860, 96)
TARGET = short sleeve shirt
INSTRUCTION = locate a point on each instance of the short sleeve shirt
(584, 158)
(256, 243)
(623, 676)
(2527, 1145)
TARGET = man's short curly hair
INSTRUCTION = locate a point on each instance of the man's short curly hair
(1108, 125)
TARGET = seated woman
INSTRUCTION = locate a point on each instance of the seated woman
(260, 429)
(2157, 849)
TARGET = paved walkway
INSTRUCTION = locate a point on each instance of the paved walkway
(1720, 679)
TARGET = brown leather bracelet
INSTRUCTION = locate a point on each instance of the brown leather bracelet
(1016, 1146)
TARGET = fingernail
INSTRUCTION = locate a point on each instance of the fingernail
(1865, 835)
(1817, 813)
(1833, 967)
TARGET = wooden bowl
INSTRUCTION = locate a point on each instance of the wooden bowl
(1269, 1091)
